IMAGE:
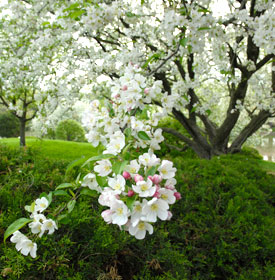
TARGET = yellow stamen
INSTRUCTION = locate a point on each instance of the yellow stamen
(141, 226)
(154, 207)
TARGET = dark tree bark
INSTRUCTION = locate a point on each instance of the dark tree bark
(22, 132)
(23, 119)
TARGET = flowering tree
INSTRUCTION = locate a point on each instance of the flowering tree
(186, 46)
(28, 60)
(161, 58)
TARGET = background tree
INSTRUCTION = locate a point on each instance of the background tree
(186, 46)
(70, 130)
(28, 60)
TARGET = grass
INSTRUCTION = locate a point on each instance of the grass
(55, 149)
(66, 150)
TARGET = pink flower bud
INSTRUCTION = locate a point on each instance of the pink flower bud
(170, 188)
(124, 87)
(117, 196)
(157, 194)
(126, 175)
(130, 193)
(157, 179)
(146, 90)
(177, 195)
(138, 178)
(151, 178)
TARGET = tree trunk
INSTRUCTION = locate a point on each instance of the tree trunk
(22, 132)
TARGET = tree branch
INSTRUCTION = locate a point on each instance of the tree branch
(255, 123)
(165, 60)
(178, 135)
(162, 77)
(262, 62)
(180, 68)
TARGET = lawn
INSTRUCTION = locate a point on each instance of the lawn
(55, 149)
(67, 150)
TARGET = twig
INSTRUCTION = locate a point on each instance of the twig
(171, 55)
(77, 194)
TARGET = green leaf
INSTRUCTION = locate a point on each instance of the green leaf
(64, 186)
(270, 61)
(60, 192)
(151, 171)
(119, 166)
(125, 150)
(130, 14)
(193, 109)
(43, 194)
(208, 112)
(89, 192)
(71, 205)
(45, 23)
(204, 10)
(130, 202)
(77, 178)
(152, 58)
(127, 156)
(183, 42)
(72, 7)
(30, 208)
(16, 225)
(95, 158)
(102, 181)
(127, 132)
(74, 163)
(204, 28)
(225, 72)
(50, 197)
(143, 135)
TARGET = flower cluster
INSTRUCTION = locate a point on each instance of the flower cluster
(129, 95)
(100, 15)
(139, 196)
(39, 225)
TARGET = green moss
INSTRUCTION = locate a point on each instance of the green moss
(222, 228)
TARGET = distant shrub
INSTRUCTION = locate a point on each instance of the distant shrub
(9, 125)
(50, 133)
(70, 130)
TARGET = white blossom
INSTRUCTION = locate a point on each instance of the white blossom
(41, 204)
(155, 208)
(103, 167)
(144, 188)
(139, 230)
